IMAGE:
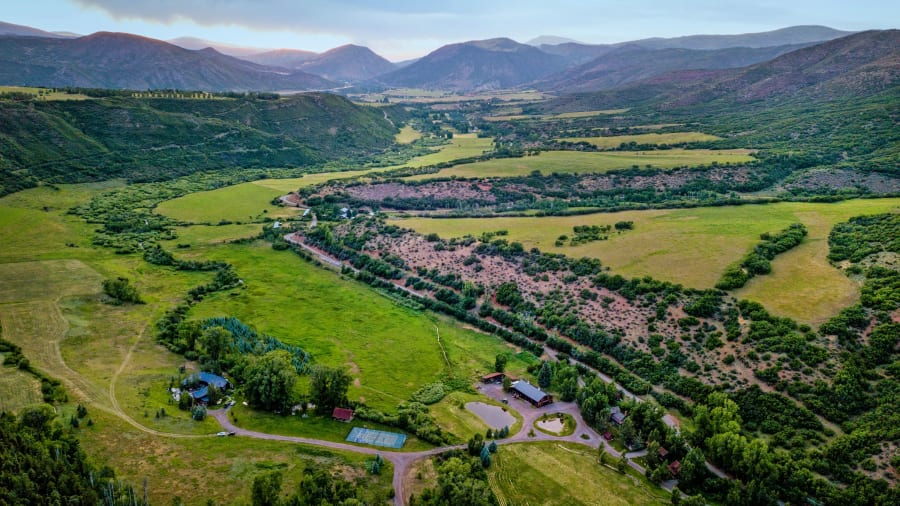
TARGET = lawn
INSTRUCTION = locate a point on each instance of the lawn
(238, 203)
(578, 162)
(315, 426)
(391, 350)
(694, 246)
(453, 416)
(651, 138)
(551, 473)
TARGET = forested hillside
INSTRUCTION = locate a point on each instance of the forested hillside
(154, 139)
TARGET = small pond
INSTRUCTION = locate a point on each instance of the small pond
(493, 416)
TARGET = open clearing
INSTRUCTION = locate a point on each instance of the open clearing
(407, 135)
(43, 93)
(551, 473)
(577, 162)
(694, 246)
(651, 138)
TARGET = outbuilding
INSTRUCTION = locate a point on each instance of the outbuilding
(342, 414)
(534, 395)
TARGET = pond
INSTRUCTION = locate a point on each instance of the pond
(493, 416)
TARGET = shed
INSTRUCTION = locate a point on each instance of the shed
(342, 414)
(616, 415)
(663, 453)
(494, 377)
(531, 393)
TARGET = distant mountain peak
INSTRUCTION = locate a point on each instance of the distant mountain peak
(551, 40)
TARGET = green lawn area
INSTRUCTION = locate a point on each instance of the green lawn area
(567, 428)
(578, 162)
(651, 138)
(694, 246)
(315, 426)
(453, 416)
(238, 203)
(391, 350)
(551, 473)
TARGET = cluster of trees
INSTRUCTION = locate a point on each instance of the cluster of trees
(757, 262)
(863, 236)
(461, 479)
(121, 291)
(317, 487)
(44, 463)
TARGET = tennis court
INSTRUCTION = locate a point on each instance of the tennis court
(376, 438)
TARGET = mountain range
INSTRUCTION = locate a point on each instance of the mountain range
(858, 65)
(29, 56)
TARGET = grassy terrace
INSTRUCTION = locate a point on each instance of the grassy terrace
(651, 138)
(693, 247)
(576, 162)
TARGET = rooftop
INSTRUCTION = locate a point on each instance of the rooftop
(528, 390)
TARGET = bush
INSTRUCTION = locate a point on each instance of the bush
(429, 394)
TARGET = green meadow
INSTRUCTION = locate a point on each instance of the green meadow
(614, 141)
(557, 473)
(694, 246)
(578, 162)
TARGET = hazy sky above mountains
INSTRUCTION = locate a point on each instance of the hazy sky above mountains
(400, 29)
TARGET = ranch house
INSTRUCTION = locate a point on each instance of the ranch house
(525, 390)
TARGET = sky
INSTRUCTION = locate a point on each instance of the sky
(401, 29)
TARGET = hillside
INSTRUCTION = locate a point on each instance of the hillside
(780, 37)
(858, 65)
(287, 58)
(117, 60)
(633, 63)
(154, 139)
(26, 31)
(194, 43)
(477, 65)
(348, 63)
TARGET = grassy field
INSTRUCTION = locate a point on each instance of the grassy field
(242, 202)
(43, 93)
(454, 417)
(576, 162)
(693, 247)
(221, 469)
(315, 426)
(550, 473)
(407, 135)
(341, 322)
(17, 389)
(565, 115)
(651, 138)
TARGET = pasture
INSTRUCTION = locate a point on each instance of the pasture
(238, 203)
(343, 323)
(577, 162)
(564, 115)
(551, 473)
(615, 141)
(693, 247)
(44, 93)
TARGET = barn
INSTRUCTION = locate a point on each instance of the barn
(525, 390)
